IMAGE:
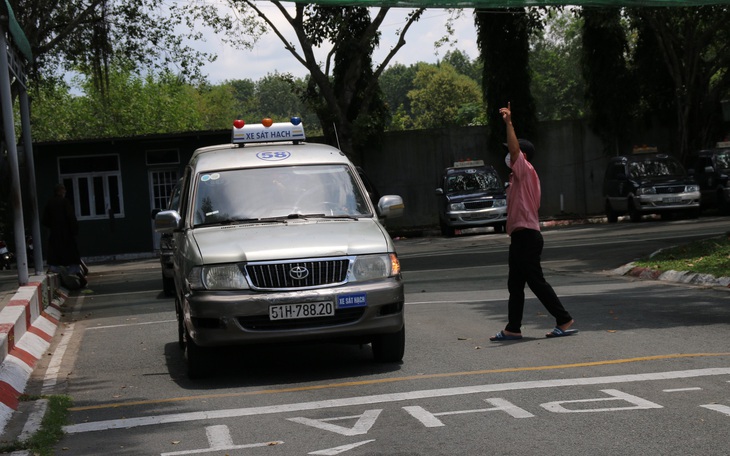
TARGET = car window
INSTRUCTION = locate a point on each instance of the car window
(722, 159)
(476, 180)
(655, 167)
(257, 193)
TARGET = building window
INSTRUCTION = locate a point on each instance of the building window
(94, 184)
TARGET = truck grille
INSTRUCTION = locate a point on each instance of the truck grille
(470, 205)
(297, 274)
(670, 189)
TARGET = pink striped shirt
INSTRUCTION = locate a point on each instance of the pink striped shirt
(523, 196)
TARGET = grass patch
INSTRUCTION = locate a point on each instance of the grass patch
(708, 256)
(41, 443)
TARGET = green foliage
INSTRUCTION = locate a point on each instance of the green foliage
(707, 256)
(557, 82)
(444, 98)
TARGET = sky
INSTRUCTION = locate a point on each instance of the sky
(269, 55)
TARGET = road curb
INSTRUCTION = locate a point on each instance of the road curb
(27, 325)
(684, 277)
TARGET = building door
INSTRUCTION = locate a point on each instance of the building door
(162, 181)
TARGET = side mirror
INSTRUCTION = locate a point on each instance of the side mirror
(167, 221)
(391, 206)
(440, 191)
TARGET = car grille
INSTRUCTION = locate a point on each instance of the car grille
(670, 189)
(263, 323)
(478, 204)
(299, 274)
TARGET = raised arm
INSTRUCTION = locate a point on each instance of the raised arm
(512, 144)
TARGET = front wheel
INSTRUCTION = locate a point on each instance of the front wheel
(390, 348)
(634, 213)
(195, 358)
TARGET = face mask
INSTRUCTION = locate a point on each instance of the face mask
(507, 161)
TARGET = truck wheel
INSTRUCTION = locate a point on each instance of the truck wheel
(611, 215)
(168, 285)
(390, 348)
(180, 326)
(447, 230)
(723, 205)
(195, 358)
(634, 213)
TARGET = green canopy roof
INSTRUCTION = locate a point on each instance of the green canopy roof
(510, 3)
(16, 33)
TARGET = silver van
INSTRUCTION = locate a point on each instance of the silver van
(275, 240)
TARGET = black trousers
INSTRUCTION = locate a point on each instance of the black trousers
(525, 251)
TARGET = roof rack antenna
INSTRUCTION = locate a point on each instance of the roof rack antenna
(337, 137)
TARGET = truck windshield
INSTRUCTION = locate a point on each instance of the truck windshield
(656, 167)
(280, 192)
(473, 181)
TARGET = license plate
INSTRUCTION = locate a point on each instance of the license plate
(671, 199)
(352, 300)
(303, 310)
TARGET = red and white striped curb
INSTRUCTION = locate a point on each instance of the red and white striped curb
(27, 325)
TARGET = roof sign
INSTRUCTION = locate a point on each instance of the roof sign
(468, 163)
(645, 150)
(268, 131)
(722, 144)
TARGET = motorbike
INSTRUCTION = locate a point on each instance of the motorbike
(7, 258)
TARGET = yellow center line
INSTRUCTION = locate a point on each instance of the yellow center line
(399, 379)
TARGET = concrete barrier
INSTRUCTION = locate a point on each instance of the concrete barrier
(28, 323)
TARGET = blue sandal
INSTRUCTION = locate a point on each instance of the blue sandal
(500, 336)
(557, 332)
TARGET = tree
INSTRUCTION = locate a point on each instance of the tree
(396, 81)
(343, 90)
(503, 38)
(694, 46)
(444, 98)
(464, 65)
(610, 94)
(557, 82)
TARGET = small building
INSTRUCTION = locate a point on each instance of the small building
(115, 183)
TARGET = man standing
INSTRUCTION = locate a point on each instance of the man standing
(523, 227)
(63, 254)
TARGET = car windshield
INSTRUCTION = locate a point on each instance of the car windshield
(473, 180)
(281, 192)
(722, 159)
(656, 167)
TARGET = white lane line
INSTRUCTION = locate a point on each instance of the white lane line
(679, 390)
(54, 366)
(131, 324)
(126, 423)
(724, 409)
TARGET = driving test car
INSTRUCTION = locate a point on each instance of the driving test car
(711, 169)
(647, 182)
(277, 241)
(471, 194)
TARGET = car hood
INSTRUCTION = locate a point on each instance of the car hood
(678, 180)
(466, 196)
(291, 239)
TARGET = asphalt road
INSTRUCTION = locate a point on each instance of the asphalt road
(649, 372)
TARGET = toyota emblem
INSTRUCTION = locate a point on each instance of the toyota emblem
(298, 272)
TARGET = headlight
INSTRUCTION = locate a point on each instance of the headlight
(692, 188)
(499, 203)
(646, 191)
(223, 277)
(456, 206)
(369, 267)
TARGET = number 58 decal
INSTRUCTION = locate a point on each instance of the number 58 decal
(273, 155)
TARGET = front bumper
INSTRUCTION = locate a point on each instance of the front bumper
(668, 202)
(215, 318)
(474, 218)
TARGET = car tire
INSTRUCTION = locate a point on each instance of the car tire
(390, 348)
(634, 213)
(500, 228)
(723, 205)
(611, 215)
(168, 286)
(180, 326)
(195, 358)
(447, 230)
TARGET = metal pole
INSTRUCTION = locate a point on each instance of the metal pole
(9, 128)
(32, 189)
